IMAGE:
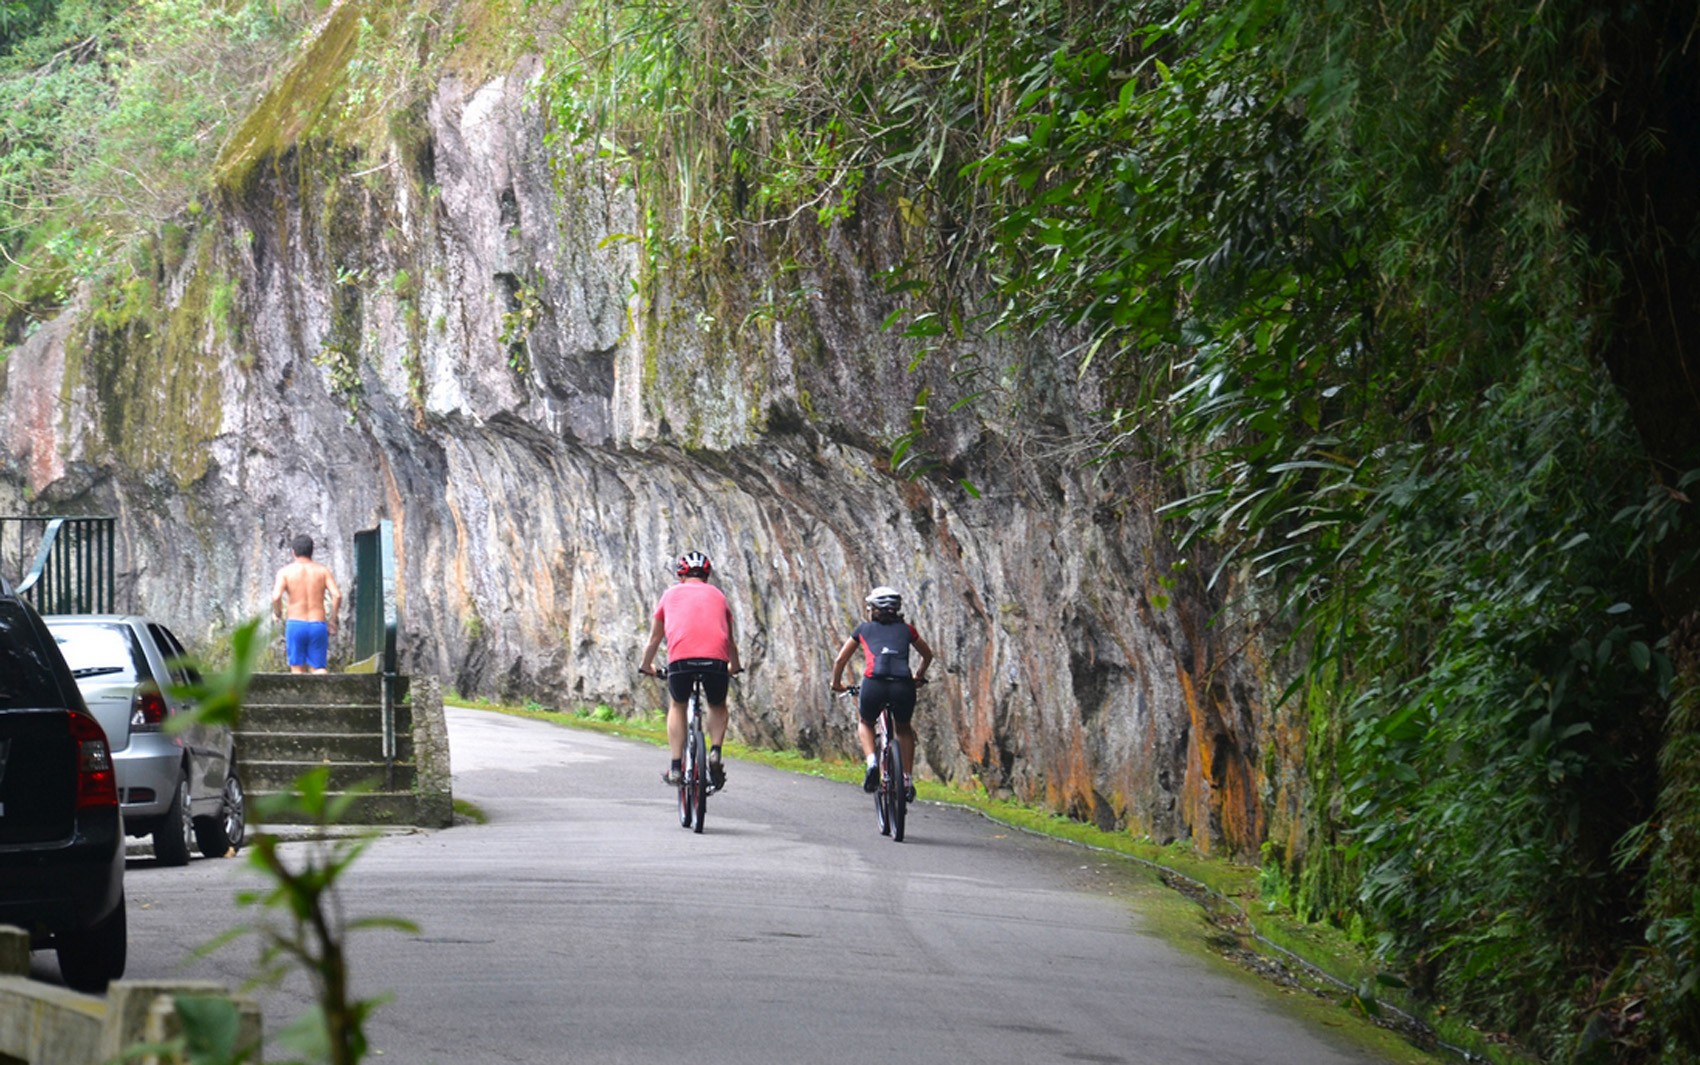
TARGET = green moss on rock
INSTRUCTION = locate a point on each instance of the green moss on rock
(297, 104)
(155, 375)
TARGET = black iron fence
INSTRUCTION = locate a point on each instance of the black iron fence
(63, 565)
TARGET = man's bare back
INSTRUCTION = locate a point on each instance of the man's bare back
(301, 588)
(300, 593)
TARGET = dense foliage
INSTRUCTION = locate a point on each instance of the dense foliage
(111, 114)
(1363, 275)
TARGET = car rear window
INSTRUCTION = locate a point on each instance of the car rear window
(38, 790)
(107, 653)
(27, 677)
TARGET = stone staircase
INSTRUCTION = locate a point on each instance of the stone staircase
(293, 722)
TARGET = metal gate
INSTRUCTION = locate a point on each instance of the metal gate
(74, 568)
(375, 623)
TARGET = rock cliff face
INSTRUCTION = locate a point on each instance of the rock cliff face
(445, 337)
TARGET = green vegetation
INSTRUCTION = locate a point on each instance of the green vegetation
(471, 811)
(650, 726)
(1397, 296)
(120, 122)
(111, 115)
(517, 323)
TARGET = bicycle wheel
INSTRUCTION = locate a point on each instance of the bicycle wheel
(699, 776)
(687, 809)
(687, 801)
(892, 786)
(880, 812)
(882, 807)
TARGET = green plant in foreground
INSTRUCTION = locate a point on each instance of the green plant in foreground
(298, 917)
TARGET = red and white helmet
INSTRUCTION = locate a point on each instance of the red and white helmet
(694, 564)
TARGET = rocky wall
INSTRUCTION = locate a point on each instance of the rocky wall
(447, 338)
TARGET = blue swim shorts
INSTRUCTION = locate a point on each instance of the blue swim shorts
(307, 643)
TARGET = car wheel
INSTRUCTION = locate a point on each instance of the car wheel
(172, 838)
(225, 832)
(93, 957)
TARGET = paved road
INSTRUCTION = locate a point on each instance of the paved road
(582, 925)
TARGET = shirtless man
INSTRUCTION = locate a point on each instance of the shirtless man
(307, 634)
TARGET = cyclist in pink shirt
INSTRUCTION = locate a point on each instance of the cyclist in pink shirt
(694, 619)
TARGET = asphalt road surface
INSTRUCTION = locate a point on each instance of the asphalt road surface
(581, 924)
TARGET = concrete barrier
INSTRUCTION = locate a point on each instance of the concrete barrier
(43, 1024)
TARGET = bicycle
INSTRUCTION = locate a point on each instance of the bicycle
(694, 784)
(891, 799)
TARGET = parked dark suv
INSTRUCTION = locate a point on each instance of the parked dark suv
(61, 836)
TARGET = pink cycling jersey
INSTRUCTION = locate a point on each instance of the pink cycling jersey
(696, 621)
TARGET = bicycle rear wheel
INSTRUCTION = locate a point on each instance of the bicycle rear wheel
(891, 786)
(687, 773)
(882, 805)
(880, 810)
(699, 777)
(687, 808)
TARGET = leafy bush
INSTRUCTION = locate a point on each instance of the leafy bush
(111, 114)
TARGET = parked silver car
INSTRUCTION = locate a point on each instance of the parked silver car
(180, 787)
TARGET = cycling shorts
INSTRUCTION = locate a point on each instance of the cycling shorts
(878, 691)
(716, 678)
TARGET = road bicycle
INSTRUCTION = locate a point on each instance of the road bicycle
(891, 799)
(694, 784)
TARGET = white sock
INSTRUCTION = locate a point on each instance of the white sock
(872, 761)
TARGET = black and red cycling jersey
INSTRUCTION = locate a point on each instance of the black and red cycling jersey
(885, 648)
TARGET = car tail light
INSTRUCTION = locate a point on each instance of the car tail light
(147, 711)
(97, 784)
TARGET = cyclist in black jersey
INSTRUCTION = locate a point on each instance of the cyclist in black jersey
(885, 639)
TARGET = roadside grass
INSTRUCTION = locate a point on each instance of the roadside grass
(1253, 933)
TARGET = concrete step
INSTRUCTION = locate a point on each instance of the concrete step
(327, 718)
(379, 808)
(320, 689)
(320, 746)
(261, 776)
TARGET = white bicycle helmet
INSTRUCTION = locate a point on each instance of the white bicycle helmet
(884, 599)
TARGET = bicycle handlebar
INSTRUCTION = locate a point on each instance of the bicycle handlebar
(660, 672)
(856, 689)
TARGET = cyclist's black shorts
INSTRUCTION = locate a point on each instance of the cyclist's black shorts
(898, 691)
(715, 679)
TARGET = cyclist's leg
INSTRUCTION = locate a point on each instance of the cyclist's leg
(865, 730)
(717, 718)
(906, 733)
(867, 712)
(678, 690)
(715, 684)
(676, 728)
(870, 702)
(903, 712)
(714, 687)
(715, 725)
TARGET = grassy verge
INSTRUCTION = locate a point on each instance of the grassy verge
(469, 811)
(1319, 963)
